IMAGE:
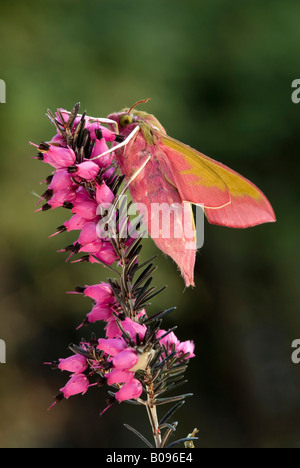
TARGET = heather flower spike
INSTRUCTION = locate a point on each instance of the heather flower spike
(133, 357)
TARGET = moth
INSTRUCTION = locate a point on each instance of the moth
(159, 169)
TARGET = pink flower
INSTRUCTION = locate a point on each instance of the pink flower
(134, 328)
(87, 170)
(186, 347)
(125, 359)
(106, 134)
(106, 254)
(86, 209)
(61, 180)
(180, 347)
(61, 197)
(59, 157)
(100, 312)
(84, 205)
(88, 233)
(82, 195)
(119, 376)
(92, 247)
(58, 140)
(77, 384)
(87, 258)
(142, 313)
(100, 292)
(112, 330)
(75, 223)
(99, 148)
(104, 194)
(75, 364)
(113, 347)
(168, 340)
(108, 174)
(130, 390)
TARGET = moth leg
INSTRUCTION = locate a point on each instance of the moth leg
(107, 121)
(120, 145)
(132, 178)
(101, 120)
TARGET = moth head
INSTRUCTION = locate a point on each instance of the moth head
(129, 118)
(126, 119)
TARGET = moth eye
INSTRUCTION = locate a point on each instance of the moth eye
(125, 120)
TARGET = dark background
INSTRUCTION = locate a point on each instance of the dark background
(219, 76)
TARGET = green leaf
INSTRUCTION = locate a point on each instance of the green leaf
(163, 401)
(179, 441)
(170, 413)
(137, 433)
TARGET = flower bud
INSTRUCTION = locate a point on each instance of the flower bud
(88, 233)
(75, 364)
(75, 223)
(168, 340)
(106, 254)
(104, 194)
(100, 312)
(100, 148)
(77, 384)
(100, 292)
(134, 328)
(106, 134)
(59, 157)
(61, 180)
(186, 347)
(119, 376)
(125, 359)
(113, 347)
(86, 209)
(61, 198)
(87, 170)
(130, 390)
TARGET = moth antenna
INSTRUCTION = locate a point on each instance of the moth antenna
(138, 103)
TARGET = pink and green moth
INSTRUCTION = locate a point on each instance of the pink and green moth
(160, 169)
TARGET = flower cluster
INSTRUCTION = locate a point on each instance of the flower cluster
(82, 181)
(125, 350)
(116, 359)
(135, 356)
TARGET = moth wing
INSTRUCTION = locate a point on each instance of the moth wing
(229, 199)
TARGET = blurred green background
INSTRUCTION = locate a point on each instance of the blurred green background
(219, 76)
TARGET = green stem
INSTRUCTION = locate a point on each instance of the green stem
(152, 411)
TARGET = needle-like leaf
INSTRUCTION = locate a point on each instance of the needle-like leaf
(137, 433)
(170, 413)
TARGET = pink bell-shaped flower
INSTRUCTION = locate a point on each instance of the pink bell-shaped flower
(130, 390)
(78, 384)
(76, 364)
(125, 359)
(113, 347)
